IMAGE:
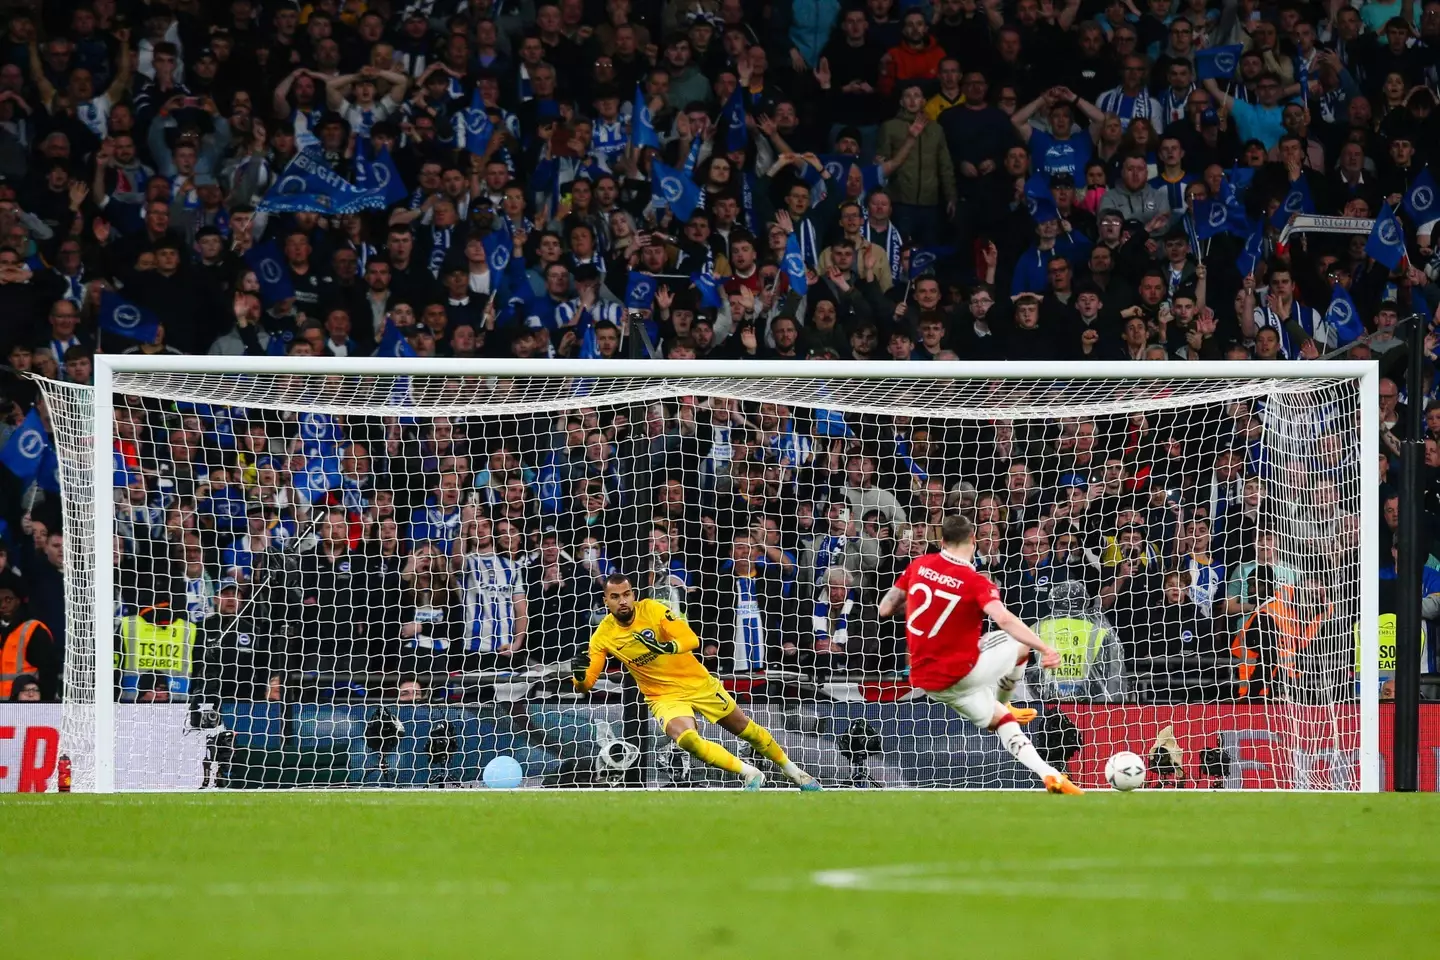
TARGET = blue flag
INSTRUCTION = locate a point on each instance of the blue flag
(49, 476)
(1037, 187)
(674, 190)
(839, 165)
(1343, 316)
(1254, 249)
(1043, 210)
(393, 344)
(736, 136)
(795, 266)
(25, 450)
(269, 266)
(1218, 63)
(1212, 217)
(639, 291)
(498, 244)
(642, 127)
(709, 289)
(1387, 240)
(308, 185)
(1420, 199)
(1298, 200)
(473, 127)
(378, 173)
(118, 315)
(1240, 225)
(923, 259)
(322, 474)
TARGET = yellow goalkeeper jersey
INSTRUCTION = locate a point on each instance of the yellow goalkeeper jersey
(658, 675)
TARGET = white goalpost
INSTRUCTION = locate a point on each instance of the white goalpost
(311, 572)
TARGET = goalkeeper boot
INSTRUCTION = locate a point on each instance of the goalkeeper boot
(807, 783)
(1022, 715)
(1059, 783)
(752, 778)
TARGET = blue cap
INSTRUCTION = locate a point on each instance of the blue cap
(1074, 480)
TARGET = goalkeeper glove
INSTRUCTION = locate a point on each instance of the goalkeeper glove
(656, 645)
(579, 667)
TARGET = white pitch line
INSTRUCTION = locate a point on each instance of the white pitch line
(987, 878)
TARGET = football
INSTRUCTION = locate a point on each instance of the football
(1125, 771)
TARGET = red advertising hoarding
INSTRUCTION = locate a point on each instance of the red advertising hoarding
(1271, 745)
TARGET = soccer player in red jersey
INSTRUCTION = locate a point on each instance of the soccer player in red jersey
(946, 602)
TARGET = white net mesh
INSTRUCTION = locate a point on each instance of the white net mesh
(70, 410)
(382, 579)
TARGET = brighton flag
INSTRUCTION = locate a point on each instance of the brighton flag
(639, 291)
(1420, 199)
(674, 190)
(120, 316)
(1343, 317)
(25, 450)
(795, 267)
(269, 266)
(1218, 63)
(642, 126)
(1387, 240)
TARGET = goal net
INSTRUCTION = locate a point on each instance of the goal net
(299, 573)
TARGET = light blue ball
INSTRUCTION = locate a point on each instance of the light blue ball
(503, 773)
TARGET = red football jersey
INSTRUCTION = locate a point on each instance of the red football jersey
(945, 601)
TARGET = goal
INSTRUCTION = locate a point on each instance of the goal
(296, 572)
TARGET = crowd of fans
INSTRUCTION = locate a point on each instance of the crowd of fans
(697, 179)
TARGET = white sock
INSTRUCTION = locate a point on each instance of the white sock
(1023, 750)
(747, 771)
(793, 772)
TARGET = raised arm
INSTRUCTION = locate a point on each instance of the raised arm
(1067, 16)
(337, 88)
(1092, 113)
(1021, 119)
(43, 86)
(994, 11)
(280, 100)
(121, 86)
(399, 85)
(889, 165)
(1247, 308)
(1222, 99)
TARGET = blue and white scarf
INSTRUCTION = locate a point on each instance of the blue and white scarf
(893, 244)
(749, 627)
(440, 238)
(74, 286)
(821, 620)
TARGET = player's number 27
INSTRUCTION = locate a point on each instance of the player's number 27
(930, 597)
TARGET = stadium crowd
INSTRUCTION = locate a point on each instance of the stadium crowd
(1026, 180)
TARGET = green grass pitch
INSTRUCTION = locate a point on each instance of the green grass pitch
(719, 874)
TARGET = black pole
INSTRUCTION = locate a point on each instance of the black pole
(1409, 568)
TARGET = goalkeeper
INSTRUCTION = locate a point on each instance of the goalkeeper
(657, 648)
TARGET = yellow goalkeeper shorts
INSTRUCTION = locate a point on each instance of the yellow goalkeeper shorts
(713, 704)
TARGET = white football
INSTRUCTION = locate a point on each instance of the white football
(1125, 771)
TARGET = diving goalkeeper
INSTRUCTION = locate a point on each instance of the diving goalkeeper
(657, 648)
